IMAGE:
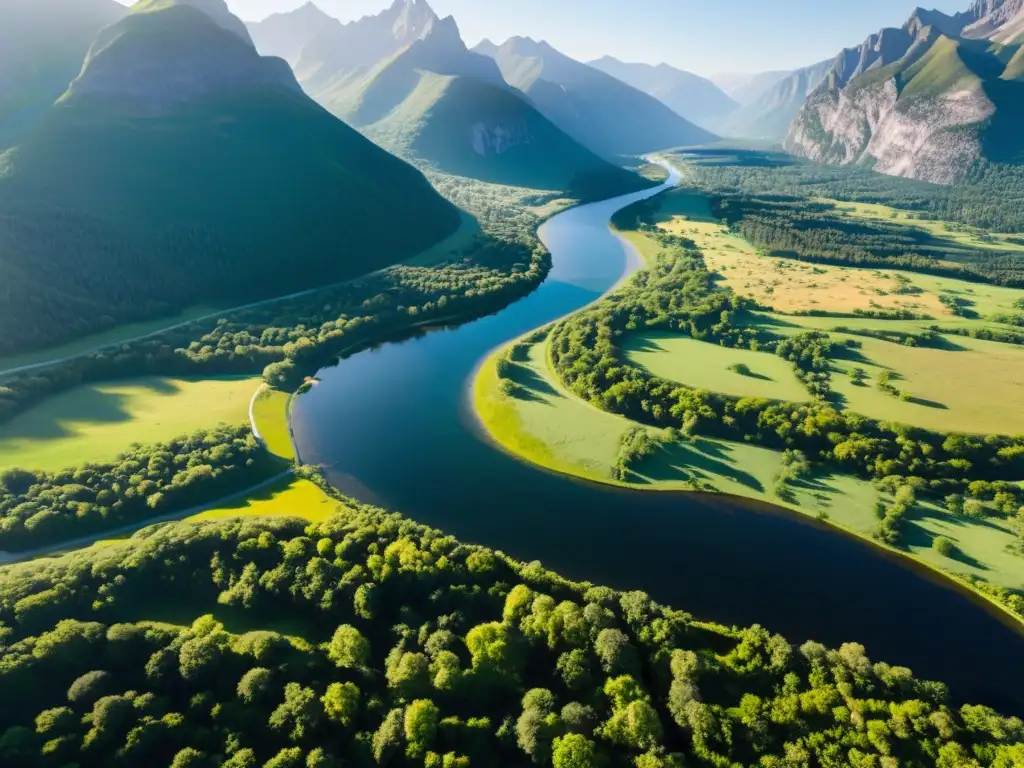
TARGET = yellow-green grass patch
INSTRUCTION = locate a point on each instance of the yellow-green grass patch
(787, 285)
(554, 429)
(102, 339)
(290, 498)
(953, 234)
(451, 247)
(270, 412)
(702, 365)
(977, 386)
(96, 423)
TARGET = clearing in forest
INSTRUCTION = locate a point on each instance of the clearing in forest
(701, 365)
(96, 423)
(290, 498)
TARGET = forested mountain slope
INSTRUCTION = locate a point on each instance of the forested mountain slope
(430, 99)
(605, 114)
(42, 44)
(929, 100)
(696, 98)
(181, 167)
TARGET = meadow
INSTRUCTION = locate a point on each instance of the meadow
(732, 371)
(97, 422)
(270, 414)
(292, 497)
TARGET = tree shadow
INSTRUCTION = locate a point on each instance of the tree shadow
(916, 536)
(928, 403)
(530, 381)
(700, 458)
(754, 375)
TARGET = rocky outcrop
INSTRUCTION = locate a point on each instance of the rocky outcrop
(868, 125)
(920, 101)
(496, 139)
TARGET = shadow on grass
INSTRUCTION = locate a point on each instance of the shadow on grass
(929, 403)
(679, 461)
(531, 383)
(916, 536)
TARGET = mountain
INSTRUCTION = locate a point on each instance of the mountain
(696, 98)
(605, 114)
(431, 99)
(42, 44)
(747, 88)
(770, 114)
(928, 100)
(285, 34)
(181, 167)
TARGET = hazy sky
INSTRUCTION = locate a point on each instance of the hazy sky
(704, 36)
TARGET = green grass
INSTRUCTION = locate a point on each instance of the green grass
(975, 386)
(701, 365)
(270, 411)
(291, 498)
(102, 339)
(97, 422)
(554, 429)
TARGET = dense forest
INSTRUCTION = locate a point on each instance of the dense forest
(291, 338)
(43, 508)
(990, 197)
(678, 294)
(370, 640)
(796, 228)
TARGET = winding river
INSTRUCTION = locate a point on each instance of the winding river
(392, 426)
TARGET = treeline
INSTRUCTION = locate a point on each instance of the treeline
(406, 648)
(291, 338)
(677, 294)
(991, 197)
(794, 228)
(42, 508)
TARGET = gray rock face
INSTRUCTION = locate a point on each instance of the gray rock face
(1001, 21)
(286, 34)
(869, 125)
(914, 101)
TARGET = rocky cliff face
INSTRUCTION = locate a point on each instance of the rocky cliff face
(917, 101)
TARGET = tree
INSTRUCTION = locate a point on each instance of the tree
(348, 648)
(254, 685)
(573, 751)
(574, 667)
(298, 714)
(387, 740)
(495, 652)
(616, 653)
(189, 758)
(319, 758)
(944, 546)
(291, 757)
(341, 703)
(410, 677)
(88, 688)
(421, 719)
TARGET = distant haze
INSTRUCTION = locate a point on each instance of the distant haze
(696, 35)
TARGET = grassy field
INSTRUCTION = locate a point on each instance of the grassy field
(956, 236)
(270, 411)
(556, 430)
(701, 365)
(791, 286)
(291, 498)
(112, 336)
(97, 422)
(553, 429)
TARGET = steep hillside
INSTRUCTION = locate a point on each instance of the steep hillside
(746, 89)
(436, 102)
(285, 34)
(182, 167)
(770, 114)
(42, 44)
(696, 98)
(605, 114)
(929, 100)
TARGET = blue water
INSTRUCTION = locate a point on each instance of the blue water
(392, 426)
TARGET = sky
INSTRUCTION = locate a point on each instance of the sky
(702, 36)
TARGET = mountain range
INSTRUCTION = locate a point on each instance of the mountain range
(405, 78)
(928, 100)
(696, 98)
(182, 167)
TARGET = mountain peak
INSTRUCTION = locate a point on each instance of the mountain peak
(216, 9)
